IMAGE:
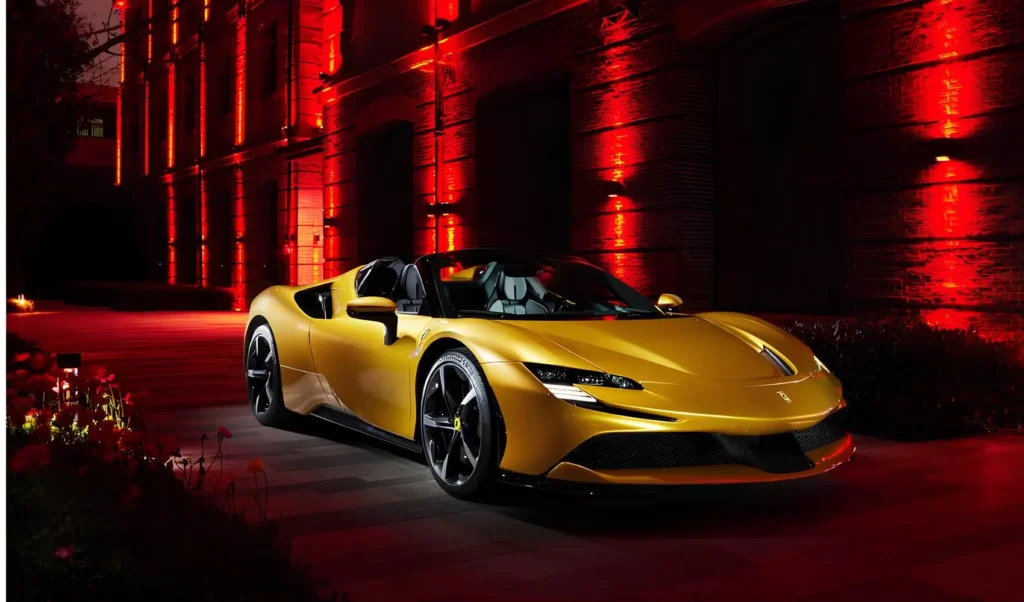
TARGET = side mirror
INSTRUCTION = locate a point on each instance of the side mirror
(376, 309)
(670, 303)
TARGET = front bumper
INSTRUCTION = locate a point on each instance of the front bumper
(824, 459)
(544, 436)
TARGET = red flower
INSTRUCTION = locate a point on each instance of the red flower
(223, 432)
(21, 357)
(255, 465)
(40, 383)
(38, 361)
(43, 418)
(128, 400)
(64, 552)
(30, 457)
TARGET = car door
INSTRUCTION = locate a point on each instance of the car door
(371, 380)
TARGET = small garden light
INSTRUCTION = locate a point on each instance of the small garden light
(22, 304)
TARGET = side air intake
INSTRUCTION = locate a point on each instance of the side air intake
(774, 358)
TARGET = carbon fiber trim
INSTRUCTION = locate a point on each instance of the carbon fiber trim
(676, 450)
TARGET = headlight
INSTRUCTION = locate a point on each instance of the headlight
(821, 366)
(561, 382)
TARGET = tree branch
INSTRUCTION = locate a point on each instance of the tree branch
(104, 30)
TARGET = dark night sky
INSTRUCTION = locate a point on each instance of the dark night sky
(105, 67)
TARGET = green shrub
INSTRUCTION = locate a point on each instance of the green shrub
(905, 380)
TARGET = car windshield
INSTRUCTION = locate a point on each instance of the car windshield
(493, 284)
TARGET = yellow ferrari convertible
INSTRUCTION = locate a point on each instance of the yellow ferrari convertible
(542, 370)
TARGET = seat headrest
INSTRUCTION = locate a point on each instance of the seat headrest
(515, 288)
(413, 288)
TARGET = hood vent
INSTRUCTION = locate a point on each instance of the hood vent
(777, 361)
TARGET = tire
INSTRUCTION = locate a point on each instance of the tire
(449, 444)
(263, 378)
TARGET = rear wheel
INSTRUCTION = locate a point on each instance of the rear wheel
(459, 426)
(263, 378)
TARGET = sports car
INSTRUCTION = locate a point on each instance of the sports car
(542, 370)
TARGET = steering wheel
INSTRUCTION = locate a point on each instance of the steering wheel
(560, 303)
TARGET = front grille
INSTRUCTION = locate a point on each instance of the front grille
(649, 450)
(827, 431)
(677, 450)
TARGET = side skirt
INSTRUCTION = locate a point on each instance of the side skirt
(352, 423)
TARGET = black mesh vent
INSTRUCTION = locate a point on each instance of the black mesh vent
(674, 450)
(827, 431)
(648, 450)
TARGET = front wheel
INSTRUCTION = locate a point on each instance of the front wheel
(459, 426)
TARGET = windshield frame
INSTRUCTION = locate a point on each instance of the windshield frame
(429, 267)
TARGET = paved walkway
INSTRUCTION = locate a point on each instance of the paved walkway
(934, 521)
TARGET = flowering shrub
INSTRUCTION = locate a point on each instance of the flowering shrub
(50, 404)
(100, 509)
(906, 380)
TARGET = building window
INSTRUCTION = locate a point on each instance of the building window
(91, 128)
(270, 70)
(190, 103)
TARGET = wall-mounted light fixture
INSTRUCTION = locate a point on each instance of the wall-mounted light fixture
(439, 209)
(613, 188)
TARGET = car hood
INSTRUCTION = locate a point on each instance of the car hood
(659, 350)
(708, 365)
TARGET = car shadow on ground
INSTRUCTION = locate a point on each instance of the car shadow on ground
(772, 508)
(697, 509)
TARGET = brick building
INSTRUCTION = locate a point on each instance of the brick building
(763, 155)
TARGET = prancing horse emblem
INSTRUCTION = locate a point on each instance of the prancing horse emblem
(784, 396)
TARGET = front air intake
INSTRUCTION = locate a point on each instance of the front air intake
(777, 361)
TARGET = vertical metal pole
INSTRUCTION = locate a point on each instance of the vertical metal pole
(196, 114)
(438, 132)
(288, 68)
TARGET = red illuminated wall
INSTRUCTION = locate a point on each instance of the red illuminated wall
(642, 114)
(922, 81)
(641, 121)
(936, 214)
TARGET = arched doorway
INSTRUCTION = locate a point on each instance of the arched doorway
(384, 187)
(780, 236)
(524, 167)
